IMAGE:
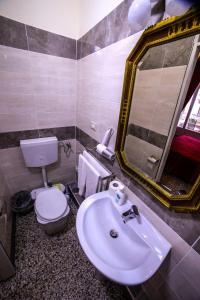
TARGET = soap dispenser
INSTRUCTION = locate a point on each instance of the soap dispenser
(120, 197)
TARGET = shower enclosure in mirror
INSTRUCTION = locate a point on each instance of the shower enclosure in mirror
(158, 140)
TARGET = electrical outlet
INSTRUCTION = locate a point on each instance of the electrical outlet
(93, 125)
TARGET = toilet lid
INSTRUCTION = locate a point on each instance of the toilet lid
(51, 204)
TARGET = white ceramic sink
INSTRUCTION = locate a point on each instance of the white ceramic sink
(133, 256)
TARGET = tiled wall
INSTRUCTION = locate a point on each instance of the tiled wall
(36, 90)
(155, 97)
(38, 73)
(100, 80)
(5, 214)
(177, 277)
(112, 28)
(102, 53)
(19, 177)
(185, 224)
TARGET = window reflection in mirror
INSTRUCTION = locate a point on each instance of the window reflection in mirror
(190, 116)
(183, 164)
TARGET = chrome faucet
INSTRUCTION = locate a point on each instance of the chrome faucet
(130, 214)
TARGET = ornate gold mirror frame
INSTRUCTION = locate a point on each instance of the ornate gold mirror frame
(167, 30)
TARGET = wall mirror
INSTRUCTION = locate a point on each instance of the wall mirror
(158, 139)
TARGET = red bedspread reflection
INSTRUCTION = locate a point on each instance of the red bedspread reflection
(187, 146)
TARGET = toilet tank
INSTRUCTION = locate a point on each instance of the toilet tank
(40, 152)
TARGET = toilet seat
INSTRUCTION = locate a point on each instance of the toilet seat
(51, 205)
(45, 222)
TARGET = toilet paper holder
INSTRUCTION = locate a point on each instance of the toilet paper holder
(153, 160)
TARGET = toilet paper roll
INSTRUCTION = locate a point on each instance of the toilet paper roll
(115, 186)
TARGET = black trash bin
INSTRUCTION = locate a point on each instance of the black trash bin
(21, 203)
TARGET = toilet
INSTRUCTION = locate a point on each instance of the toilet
(51, 205)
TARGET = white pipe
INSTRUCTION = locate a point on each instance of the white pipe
(44, 177)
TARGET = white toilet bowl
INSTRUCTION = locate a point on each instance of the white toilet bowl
(51, 208)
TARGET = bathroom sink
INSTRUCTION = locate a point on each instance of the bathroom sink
(128, 253)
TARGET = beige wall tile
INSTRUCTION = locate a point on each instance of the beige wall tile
(15, 83)
(189, 267)
(181, 286)
(100, 80)
(53, 86)
(56, 103)
(155, 97)
(55, 119)
(148, 78)
(54, 66)
(14, 60)
(4, 193)
(25, 182)
(137, 152)
(20, 177)
(16, 104)
(11, 157)
(109, 86)
(64, 174)
(173, 76)
(15, 122)
(163, 115)
(178, 276)
(105, 115)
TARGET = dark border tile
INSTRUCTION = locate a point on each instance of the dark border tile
(117, 22)
(12, 34)
(62, 133)
(46, 42)
(147, 135)
(78, 49)
(138, 131)
(84, 48)
(196, 246)
(93, 40)
(176, 53)
(12, 139)
(157, 139)
(113, 28)
(86, 140)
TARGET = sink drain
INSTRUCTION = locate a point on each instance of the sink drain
(114, 234)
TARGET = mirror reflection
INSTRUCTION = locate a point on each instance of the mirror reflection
(183, 163)
(158, 82)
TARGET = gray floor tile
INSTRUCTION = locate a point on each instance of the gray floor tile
(54, 267)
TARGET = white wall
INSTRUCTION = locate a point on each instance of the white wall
(59, 17)
(93, 11)
(71, 18)
(100, 82)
